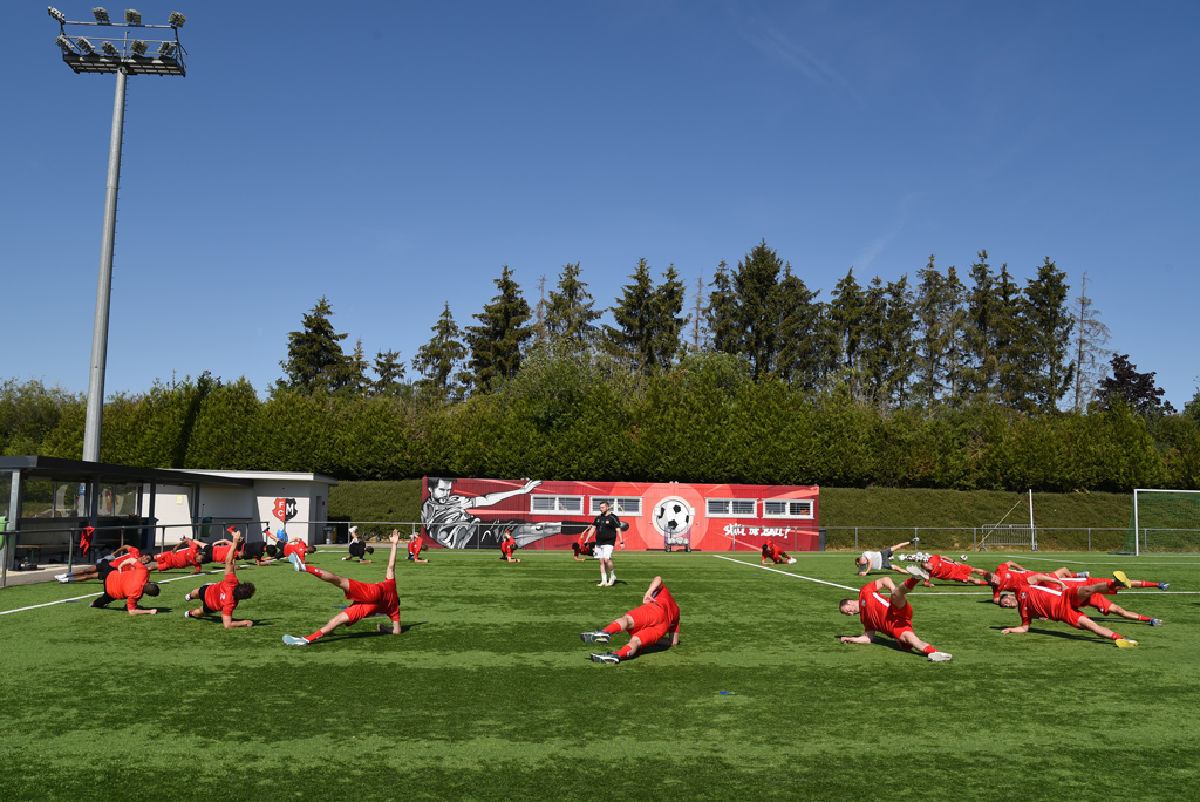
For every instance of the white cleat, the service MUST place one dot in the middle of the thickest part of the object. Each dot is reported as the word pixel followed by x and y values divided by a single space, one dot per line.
pixel 940 657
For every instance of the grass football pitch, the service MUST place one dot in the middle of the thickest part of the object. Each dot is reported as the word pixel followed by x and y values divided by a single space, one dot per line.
pixel 488 693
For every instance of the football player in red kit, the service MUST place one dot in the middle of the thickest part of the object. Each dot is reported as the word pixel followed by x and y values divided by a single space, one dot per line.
pixel 369 599
pixel 655 621
pixel 1049 597
pixel 223 596
pixel 940 567
pixel 415 544
pixel 776 555
pixel 883 607
pixel 507 544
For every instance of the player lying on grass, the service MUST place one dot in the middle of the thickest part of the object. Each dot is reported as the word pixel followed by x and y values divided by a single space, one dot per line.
pixel 1099 600
pixel 224 595
pixel 1010 577
pixel 129 581
pixel 890 614
pixel 881 560
pixel 368 599
pixel 655 621
pixel 507 544
pixel 185 554
pixel 940 567
pixel 776 555
pixel 296 547
pixel 122 557
pixel 358 550
pixel 1049 597
pixel 415 543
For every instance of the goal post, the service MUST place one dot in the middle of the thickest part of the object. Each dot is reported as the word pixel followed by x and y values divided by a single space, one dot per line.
pixel 1163 521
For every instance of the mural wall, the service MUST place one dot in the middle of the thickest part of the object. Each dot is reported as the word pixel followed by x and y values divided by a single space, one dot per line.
pixel 460 513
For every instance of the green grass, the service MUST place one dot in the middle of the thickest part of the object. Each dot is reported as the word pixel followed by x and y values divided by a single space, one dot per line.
pixel 488 693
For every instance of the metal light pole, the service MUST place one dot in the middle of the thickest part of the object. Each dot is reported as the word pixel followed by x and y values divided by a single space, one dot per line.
pixel 114 51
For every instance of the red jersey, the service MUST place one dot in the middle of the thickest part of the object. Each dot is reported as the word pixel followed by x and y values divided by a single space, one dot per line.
pixel 507 546
pixel 1042 601
pixel 220 553
pixel 180 558
pixel 662 598
pixel 878 615
pixel 127 584
pixel 218 596
pixel 414 546
pixel 941 568
pixel 771 551
pixel 127 560
pixel 297 547
pixel 368 598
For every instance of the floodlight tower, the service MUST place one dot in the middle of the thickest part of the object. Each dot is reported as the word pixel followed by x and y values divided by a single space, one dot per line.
pixel 118 50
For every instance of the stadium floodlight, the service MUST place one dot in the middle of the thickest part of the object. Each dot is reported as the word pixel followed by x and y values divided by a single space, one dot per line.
pixel 176 19
pixel 123 58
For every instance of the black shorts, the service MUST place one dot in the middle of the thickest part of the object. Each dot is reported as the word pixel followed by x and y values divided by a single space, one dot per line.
pixel 358 550
pixel 103 569
pixel 206 553
pixel 198 594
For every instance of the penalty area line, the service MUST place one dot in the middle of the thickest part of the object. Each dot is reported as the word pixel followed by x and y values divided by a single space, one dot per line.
pixel 785 573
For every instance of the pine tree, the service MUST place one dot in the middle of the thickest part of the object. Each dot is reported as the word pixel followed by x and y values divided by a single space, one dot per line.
pixel 754 285
pixel 389 372
pixel 979 367
pixel 495 344
pixel 669 321
pixel 356 371
pixel 847 317
pixel 1091 335
pixel 633 339
pixel 939 317
pixel 315 361
pixel 802 357
pixel 722 315
pixel 1047 323
pixel 1011 343
pixel 899 340
pixel 440 360
pixel 569 313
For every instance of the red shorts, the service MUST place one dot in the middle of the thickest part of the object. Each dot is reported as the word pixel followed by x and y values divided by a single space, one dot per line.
pixel 954 571
pixel 1100 602
pixel 650 623
pixel 370 598
pixel 899 621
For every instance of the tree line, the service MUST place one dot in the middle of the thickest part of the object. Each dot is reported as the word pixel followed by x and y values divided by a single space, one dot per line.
pixel 936 384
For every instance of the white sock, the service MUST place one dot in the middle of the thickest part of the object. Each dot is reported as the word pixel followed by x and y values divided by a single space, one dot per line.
pixel 612 577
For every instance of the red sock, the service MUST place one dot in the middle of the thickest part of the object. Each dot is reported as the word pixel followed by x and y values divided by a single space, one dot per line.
pixel 911 582
pixel 928 649
pixel 314 636
pixel 315 571
pixel 613 628
pixel 1117 636
pixel 1143 583
pixel 625 652
pixel 1143 617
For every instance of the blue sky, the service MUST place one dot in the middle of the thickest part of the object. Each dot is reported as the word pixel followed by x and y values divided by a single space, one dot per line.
pixel 395 155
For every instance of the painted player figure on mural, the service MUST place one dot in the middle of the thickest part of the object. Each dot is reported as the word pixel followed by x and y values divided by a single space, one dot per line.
pixel 882 606
pixel 446 518
pixel 369 598
pixel 656 621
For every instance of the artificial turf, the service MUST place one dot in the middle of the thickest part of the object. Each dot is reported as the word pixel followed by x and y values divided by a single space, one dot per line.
pixel 488 693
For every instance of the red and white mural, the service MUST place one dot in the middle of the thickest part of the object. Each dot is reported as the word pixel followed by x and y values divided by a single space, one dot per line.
pixel 463 513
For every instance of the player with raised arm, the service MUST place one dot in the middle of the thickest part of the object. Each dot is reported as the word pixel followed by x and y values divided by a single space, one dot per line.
pixel 881 560
pixel 890 614
pixel 223 596
pixel 369 599
pixel 655 621
pixel 123 557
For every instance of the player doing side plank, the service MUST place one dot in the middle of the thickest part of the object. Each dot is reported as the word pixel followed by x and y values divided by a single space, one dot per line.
pixel 223 595
pixel 368 599
pixel 883 607
pixel 656 621
pixel 1037 600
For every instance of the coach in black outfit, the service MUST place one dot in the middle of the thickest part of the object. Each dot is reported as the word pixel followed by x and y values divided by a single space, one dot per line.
pixel 607 528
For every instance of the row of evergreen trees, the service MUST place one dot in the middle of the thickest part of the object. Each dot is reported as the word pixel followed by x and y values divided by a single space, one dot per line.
pixel 573 413
pixel 890 345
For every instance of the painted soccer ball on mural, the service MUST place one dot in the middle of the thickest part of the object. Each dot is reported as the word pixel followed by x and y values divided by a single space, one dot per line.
pixel 674 511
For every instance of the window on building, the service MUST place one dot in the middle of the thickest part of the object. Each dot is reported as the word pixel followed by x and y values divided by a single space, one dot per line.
pixel 618 505
pixel 549 505
pixel 731 507
pixel 787 508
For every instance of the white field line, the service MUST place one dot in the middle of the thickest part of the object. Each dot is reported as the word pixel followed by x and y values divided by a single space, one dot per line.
pixel 93 595
pixel 1133 561
pixel 785 573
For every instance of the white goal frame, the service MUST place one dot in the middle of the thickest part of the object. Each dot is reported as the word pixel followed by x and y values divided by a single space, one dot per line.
pixel 1137 528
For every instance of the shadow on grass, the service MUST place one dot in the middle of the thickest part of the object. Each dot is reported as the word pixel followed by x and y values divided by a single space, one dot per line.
pixel 1058 633
pixel 333 637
